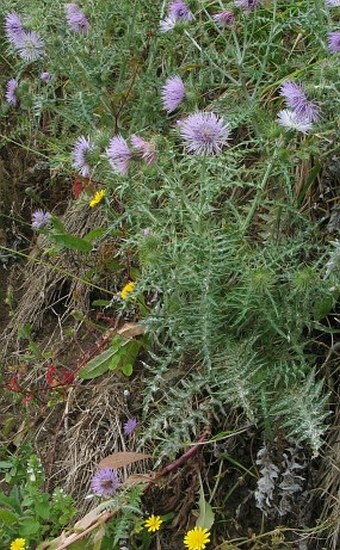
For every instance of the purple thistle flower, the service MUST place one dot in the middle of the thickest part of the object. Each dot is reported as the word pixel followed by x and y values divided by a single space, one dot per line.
pixel 130 426
pixel 105 482
pixel 76 19
pixel 290 120
pixel 333 3
pixel 173 93
pixel 30 46
pixel 145 149
pixel 248 5
pixel 334 42
pixel 179 11
pixel 40 219
pixel 13 28
pixel 80 150
pixel 119 154
pixel 204 133
pixel 167 24
pixel 296 98
pixel 46 77
pixel 10 95
pixel 224 18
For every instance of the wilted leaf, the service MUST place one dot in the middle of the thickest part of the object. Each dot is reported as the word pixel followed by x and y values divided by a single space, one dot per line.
pixel 98 538
pixel 206 515
pixel 138 479
pixel 130 330
pixel 119 460
pixel 91 517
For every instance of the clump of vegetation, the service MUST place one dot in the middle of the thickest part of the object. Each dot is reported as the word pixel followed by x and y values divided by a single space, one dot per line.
pixel 182 211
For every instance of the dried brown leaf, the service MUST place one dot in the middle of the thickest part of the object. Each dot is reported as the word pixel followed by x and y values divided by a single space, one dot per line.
pixel 119 460
pixel 138 479
pixel 130 330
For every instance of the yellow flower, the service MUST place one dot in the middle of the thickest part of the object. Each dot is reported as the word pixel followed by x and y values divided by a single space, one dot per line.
pixel 197 538
pixel 153 523
pixel 18 544
pixel 98 197
pixel 127 289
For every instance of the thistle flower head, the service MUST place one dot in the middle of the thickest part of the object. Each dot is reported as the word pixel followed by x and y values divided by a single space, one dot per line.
pixel 30 46
pixel 334 42
pixel 290 120
pixel 46 77
pixel 40 219
pixel 167 24
pixel 76 19
pixel 247 5
pixel 224 18
pixel 81 149
pixel 105 482
pixel 10 95
pixel 333 3
pixel 145 149
pixel 130 426
pixel 119 154
pixel 153 523
pixel 204 133
pixel 173 93
pixel 13 28
pixel 197 538
pixel 178 11
pixel 296 98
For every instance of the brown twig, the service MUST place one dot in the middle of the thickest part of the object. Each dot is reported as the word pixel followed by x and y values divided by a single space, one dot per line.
pixel 185 456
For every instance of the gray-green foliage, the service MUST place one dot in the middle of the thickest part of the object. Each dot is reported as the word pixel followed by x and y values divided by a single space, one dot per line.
pixel 234 270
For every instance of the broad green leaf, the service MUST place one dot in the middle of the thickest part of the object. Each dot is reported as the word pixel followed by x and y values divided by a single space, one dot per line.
pixel 5 465
pixel 42 509
pixel 58 225
pixel 8 517
pixel 12 501
pixel 101 303
pixel 71 241
pixel 206 515
pixel 122 352
pixel 127 369
pixel 29 526
pixel 95 234
pixel 98 365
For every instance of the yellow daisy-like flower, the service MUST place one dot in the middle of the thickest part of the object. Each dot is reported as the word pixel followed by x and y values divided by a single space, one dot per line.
pixel 197 538
pixel 18 544
pixel 97 198
pixel 153 523
pixel 127 289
